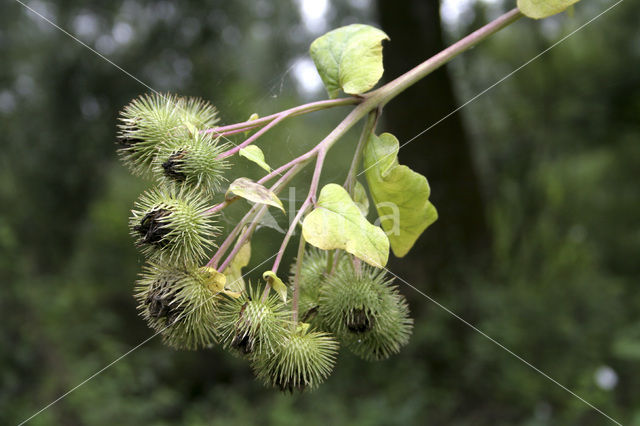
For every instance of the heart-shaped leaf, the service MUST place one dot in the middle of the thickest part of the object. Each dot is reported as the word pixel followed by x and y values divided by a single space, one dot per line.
pixel 337 223
pixel 255 154
pixel 349 58
pixel 539 9
pixel 252 191
pixel 401 195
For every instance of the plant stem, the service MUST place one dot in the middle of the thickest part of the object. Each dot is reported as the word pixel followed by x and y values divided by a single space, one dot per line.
pixel 315 180
pixel 400 84
pixel 244 237
pixel 253 215
pixel 221 206
pixel 231 237
pixel 365 104
pixel 306 156
pixel 369 126
pixel 310 199
pixel 329 261
pixel 253 137
pixel 233 132
pixel 384 94
pixel 288 167
pixel 336 262
pixel 291 112
pixel 296 280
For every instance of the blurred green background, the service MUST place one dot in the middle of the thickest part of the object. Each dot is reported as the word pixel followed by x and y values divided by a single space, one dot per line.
pixel 536 183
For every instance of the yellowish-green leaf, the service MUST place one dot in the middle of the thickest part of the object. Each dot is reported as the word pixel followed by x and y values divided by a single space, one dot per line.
pixel 214 280
pixel 255 154
pixel 539 9
pixel 349 58
pixel 252 191
pixel 361 199
pixel 401 195
pixel 337 223
pixel 276 284
pixel 235 281
pixel 252 117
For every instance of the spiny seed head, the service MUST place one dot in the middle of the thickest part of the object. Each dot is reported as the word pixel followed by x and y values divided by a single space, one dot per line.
pixel 151 119
pixel 178 303
pixel 388 335
pixel 313 274
pixel 351 301
pixel 253 327
pixel 198 112
pixel 145 123
pixel 191 160
pixel 366 311
pixel 302 361
pixel 172 225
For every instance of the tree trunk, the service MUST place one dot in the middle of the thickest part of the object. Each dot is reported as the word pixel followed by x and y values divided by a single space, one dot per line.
pixel 443 153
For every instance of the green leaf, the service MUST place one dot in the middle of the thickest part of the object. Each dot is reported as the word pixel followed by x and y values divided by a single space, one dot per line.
pixel 255 154
pixel 361 199
pixel 337 223
pixel 349 58
pixel 539 9
pixel 233 272
pixel 252 191
pixel 401 195
pixel 276 284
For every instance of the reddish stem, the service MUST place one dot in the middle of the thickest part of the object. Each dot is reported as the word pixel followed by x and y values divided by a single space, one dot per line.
pixel 292 112
pixel 251 214
pixel 311 196
pixel 233 132
pixel 296 281
pixel 254 137
pixel 245 236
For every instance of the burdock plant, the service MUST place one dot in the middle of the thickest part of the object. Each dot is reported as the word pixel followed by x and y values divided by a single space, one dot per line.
pixel 318 265
pixel 190 159
pixel 179 303
pixel 253 326
pixel 172 225
pixel 149 121
pixel 303 360
pixel 338 289
pixel 351 302
pixel 363 308
pixel 388 334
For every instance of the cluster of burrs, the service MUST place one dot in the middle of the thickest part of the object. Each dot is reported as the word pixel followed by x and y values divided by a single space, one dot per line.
pixel 193 306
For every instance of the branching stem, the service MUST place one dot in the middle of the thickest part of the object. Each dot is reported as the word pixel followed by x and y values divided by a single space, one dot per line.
pixel 291 112
pixel 254 137
pixel 252 216
pixel 308 202
pixel 370 103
